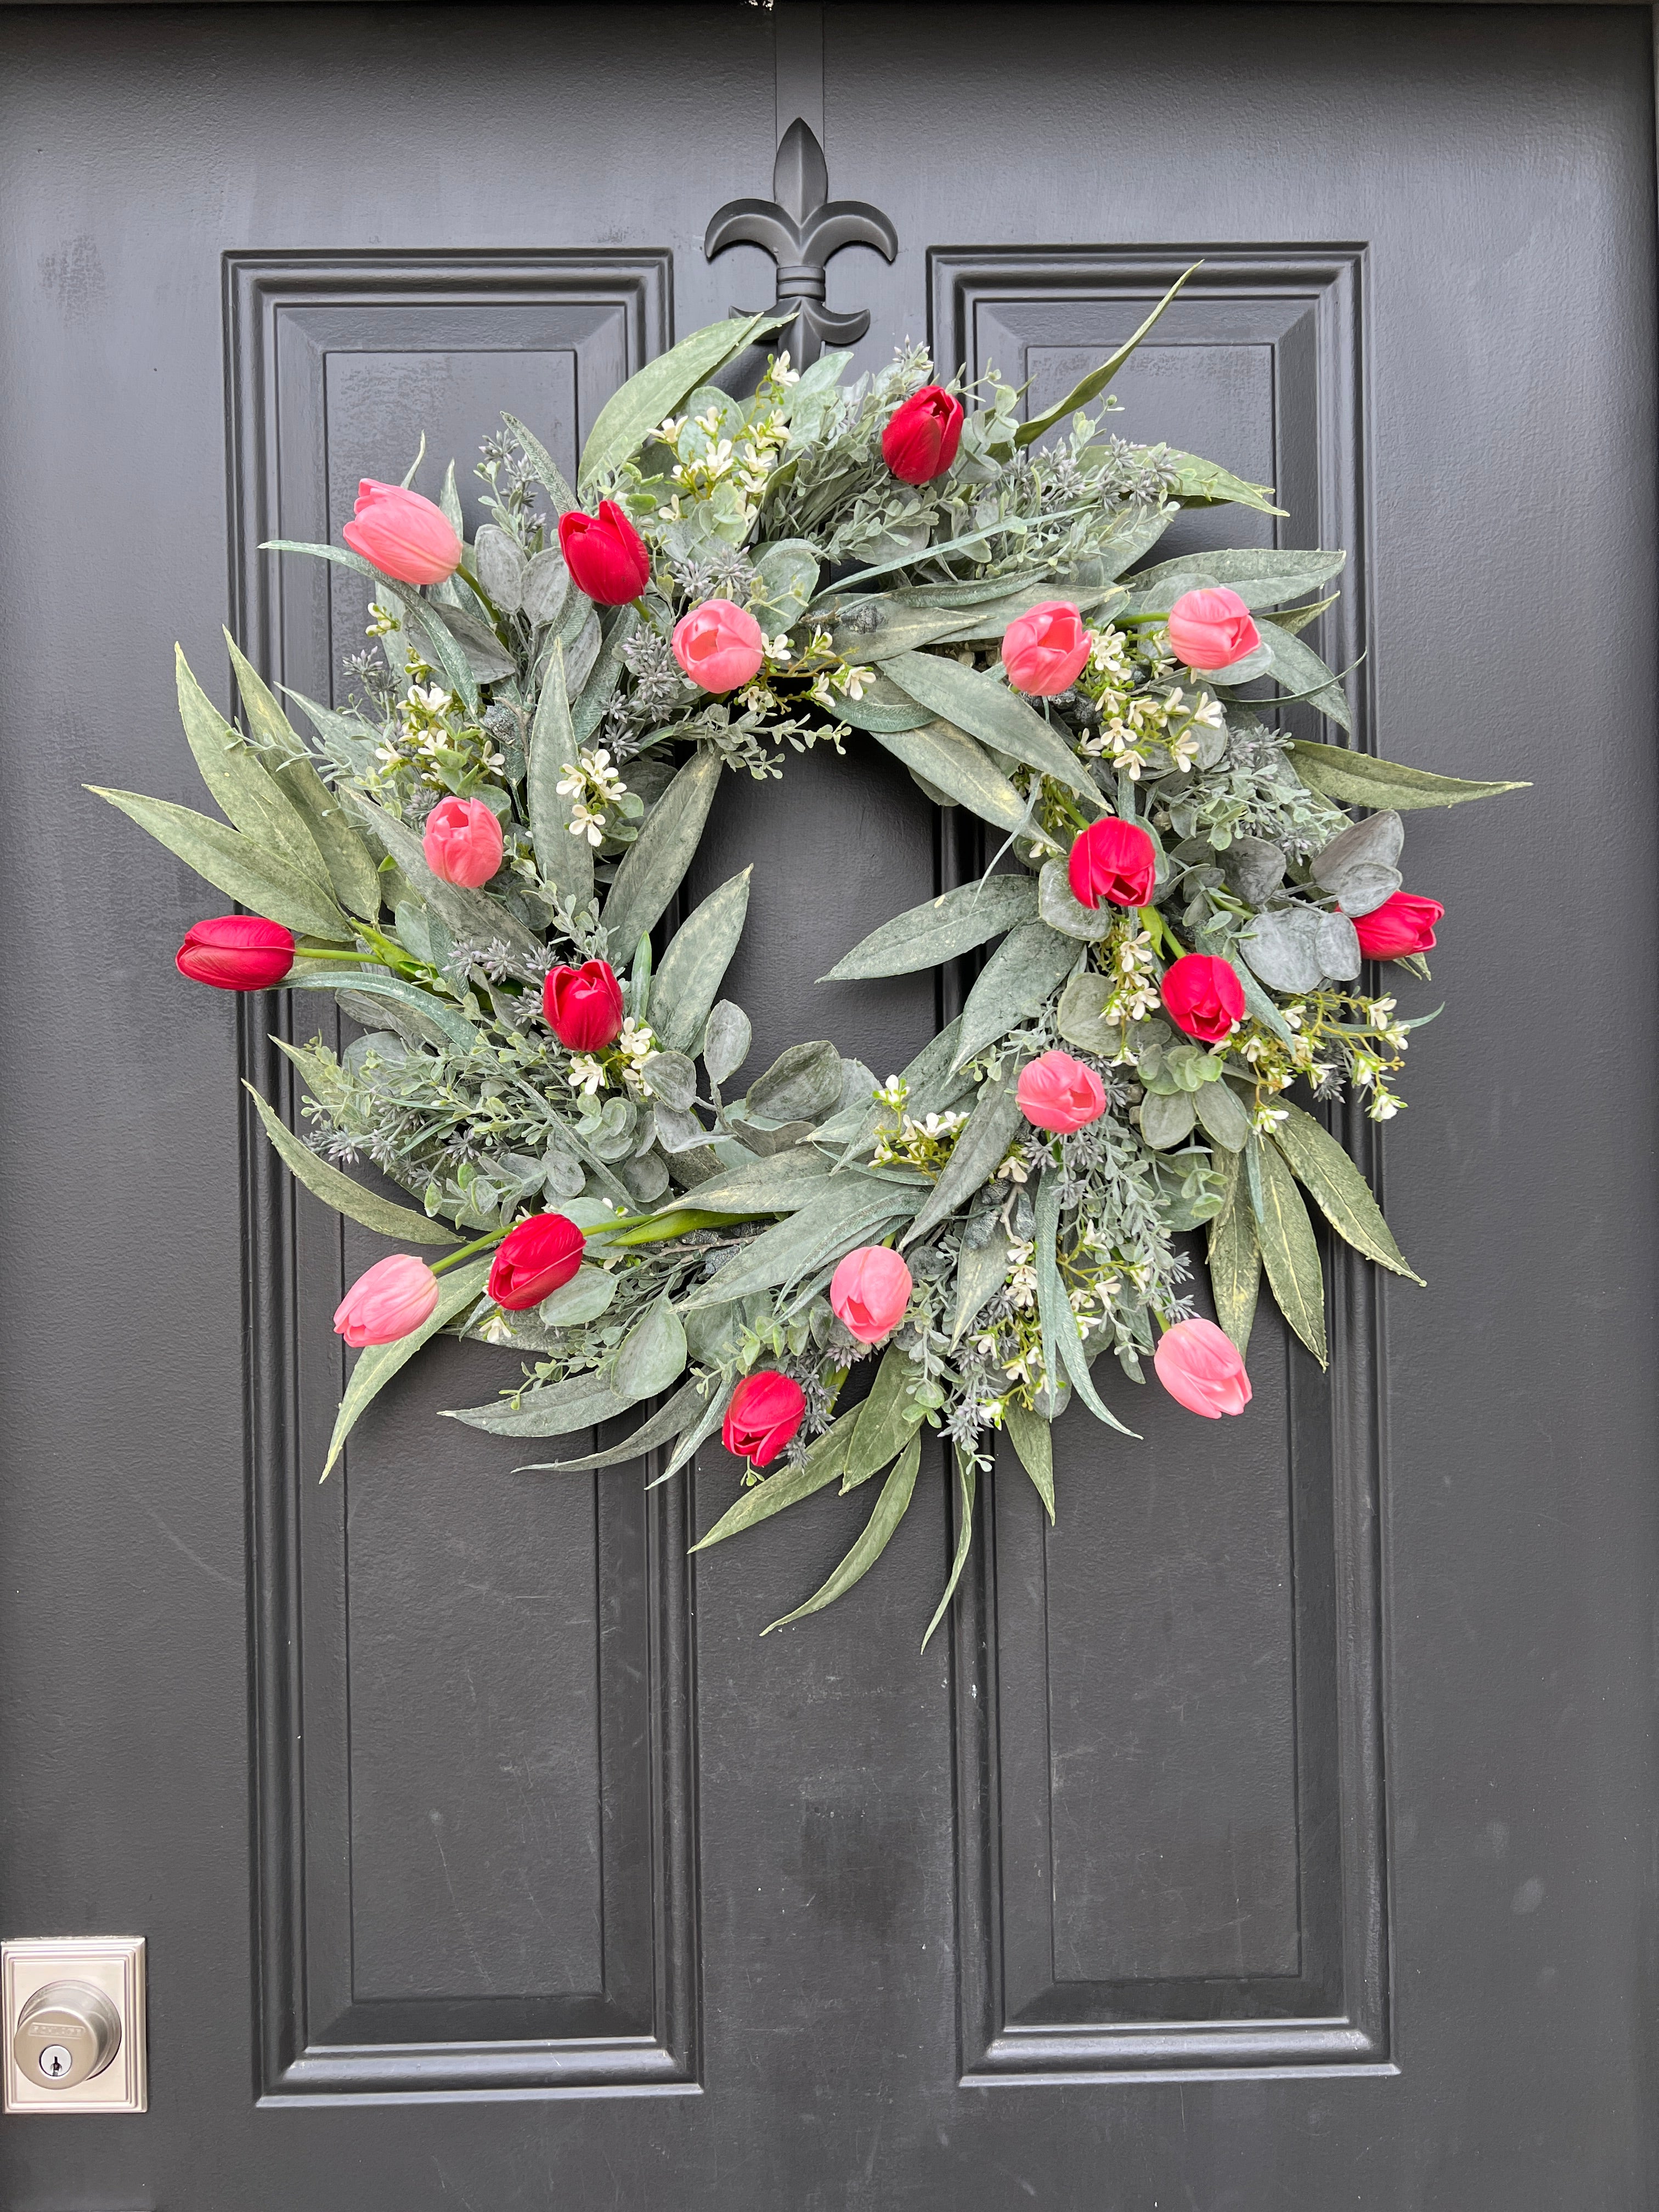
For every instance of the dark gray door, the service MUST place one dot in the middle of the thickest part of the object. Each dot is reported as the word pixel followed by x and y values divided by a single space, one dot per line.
pixel 1276 1835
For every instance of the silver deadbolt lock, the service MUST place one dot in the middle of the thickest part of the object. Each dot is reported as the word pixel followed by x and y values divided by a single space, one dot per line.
pixel 66 2033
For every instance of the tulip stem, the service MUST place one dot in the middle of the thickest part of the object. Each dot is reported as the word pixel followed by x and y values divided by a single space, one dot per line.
pixel 497 621
pixel 466 1251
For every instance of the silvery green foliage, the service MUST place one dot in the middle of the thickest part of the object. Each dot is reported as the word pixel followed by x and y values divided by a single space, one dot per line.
pixel 715 1223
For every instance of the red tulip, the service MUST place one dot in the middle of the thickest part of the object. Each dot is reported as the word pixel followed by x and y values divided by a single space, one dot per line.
pixel 403 534
pixel 761 1421
pixel 606 557
pixel 463 841
pixel 1211 629
pixel 236 952
pixel 1199 1367
pixel 719 645
pixel 1204 996
pixel 584 1006
pixel 922 437
pixel 1058 1092
pixel 1404 923
pixel 534 1259
pixel 870 1291
pixel 1115 860
pixel 1043 650
pixel 393 1299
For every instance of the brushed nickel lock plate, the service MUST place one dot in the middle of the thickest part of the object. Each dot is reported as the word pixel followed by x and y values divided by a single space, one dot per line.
pixel 74 2018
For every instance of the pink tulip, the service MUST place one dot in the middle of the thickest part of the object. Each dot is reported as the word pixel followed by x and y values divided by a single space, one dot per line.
pixel 719 645
pixel 1211 629
pixel 403 534
pixel 870 1291
pixel 1198 1367
pixel 463 841
pixel 1043 650
pixel 1058 1092
pixel 396 1296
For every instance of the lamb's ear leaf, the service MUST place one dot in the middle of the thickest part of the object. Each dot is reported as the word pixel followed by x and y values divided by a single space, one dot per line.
pixel 1361 780
pixel 1289 1251
pixel 966 1487
pixel 350 865
pixel 1033 1440
pixel 825 1461
pixel 652 868
pixel 694 964
pixel 890 1510
pixel 668 1422
pixel 1097 379
pixel 339 1191
pixel 957 922
pixel 235 865
pixel 241 783
pixel 566 862
pixel 378 1364
pixel 630 414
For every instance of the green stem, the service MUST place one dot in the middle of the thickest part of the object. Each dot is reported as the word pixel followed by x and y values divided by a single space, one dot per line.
pixel 454 1259
pixel 662 1229
pixel 497 620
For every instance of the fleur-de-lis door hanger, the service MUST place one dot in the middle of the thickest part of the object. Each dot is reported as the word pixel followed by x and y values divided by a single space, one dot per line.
pixel 801 228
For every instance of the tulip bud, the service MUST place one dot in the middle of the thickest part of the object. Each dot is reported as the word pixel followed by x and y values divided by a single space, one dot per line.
pixel 1211 629
pixel 922 437
pixel 1404 923
pixel 403 534
pixel 236 952
pixel 761 1421
pixel 534 1260
pixel 1203 996
pixel 1113 860
pixel 606 557
pixel 584 1006
pixel 1043 650
pixel 870 1291
pixel 719 645
pixel 1058 1092
pixel 391 1300
pixel 1199 1367
pixel 463 841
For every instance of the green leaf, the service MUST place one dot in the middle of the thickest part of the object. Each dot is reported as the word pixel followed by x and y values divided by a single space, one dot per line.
pixel 350 865
pixel 1062 1347
pixel 1263 576
pixel 240 783
pixel 1081 1015
pixel 1167 1118
pixel 542 467
pixel 378 1364
pixel 1063 910
pixel 886 1420
pixel 652 1354
pixel 1337 1189
pixel 590 1292
pixel 1299 670
pixel 1097 379
pixel 781 1184
pixel 997 716
pixel 951 761
pixel 825 1458
pixel 1206 484
pixel 339 1191
pixel 941 930
pixel 931 1084
pixel 447 1020
pixel 1354 779
pixel 655 391
pixel 981 1272
pixel 1289 1251
pixel 1223 1115
pixel 469 915
pixel 237 866
pixel 669 1421
pixel 977 1155
pixel 693 966
pixel 566 862
pixel 1033 1439
pixel 853 1209
pixel 587 711
pixel 694 1438
pixel 882 716
pixel 967 1486
pixel 1031 962
pixel 556 1409
pixel 447 650
pixel 652 869
pixel 869 632
pixel 1235 1259
pixel 803 1083
pixel 895 1494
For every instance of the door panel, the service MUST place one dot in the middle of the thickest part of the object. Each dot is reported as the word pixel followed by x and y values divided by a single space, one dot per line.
pixel 1272 1835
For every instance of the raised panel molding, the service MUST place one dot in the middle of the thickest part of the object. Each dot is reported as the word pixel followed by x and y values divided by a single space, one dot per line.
pixel 1169 1727
pixel 334 363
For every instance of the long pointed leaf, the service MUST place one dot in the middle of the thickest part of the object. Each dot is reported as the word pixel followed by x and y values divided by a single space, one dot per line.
pixel 1359 780
pixel 556 1409
pixel 975 1157
pixel 995 715
pixel 566 862
pixel 941 930
pixel 826 1457
pixel 542 466
pixel 688 978
pixel 1062 1347
pixel 1288 1249
pixel 1097 379
pixel 1235 1260
pixel 447 650
pixel 668 1422
pixel 656 391
pixel 966 1487
pixel 472 915
pixel 890 1510
pixel 338 1190
pixel 956 764
pixel 1033 1440
pixel 1031 962
pixel 241 784
pixel 1337 1188
pixel 351 868
pixel 380 1361
pixel 652 869
pixel 235 865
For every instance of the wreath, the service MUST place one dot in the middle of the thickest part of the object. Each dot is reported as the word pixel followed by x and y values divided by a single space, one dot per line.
pixel 476 856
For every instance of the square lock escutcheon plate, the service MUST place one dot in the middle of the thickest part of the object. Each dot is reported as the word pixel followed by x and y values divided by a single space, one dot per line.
pixel 65 2001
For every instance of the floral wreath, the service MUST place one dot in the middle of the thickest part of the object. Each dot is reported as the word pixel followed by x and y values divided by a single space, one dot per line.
pixel 474 857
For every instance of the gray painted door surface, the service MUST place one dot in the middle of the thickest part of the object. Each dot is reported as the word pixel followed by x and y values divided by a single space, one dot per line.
pixel 1273 1837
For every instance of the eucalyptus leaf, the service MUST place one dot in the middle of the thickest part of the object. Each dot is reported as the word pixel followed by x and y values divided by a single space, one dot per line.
pixel 339 1191
pixel 379 1363
pixel 1355 779
pixel 1167 1118
pixel 694 964
pixel 803 1082
pixel 943 929
pixel 1253 868
pixel 1339 948
pixel 589 1293
pixel 1031 962
pixel 1061 909
pixel 486 656
pixel 787 577
pixel 890 1510
pixel 672 1078
pixel 652 1354
pixel 725 1040
pixel 1081 1017
pixel 652 868
pixel 1358 867
pixel 1222 1115
pixel 1282 945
